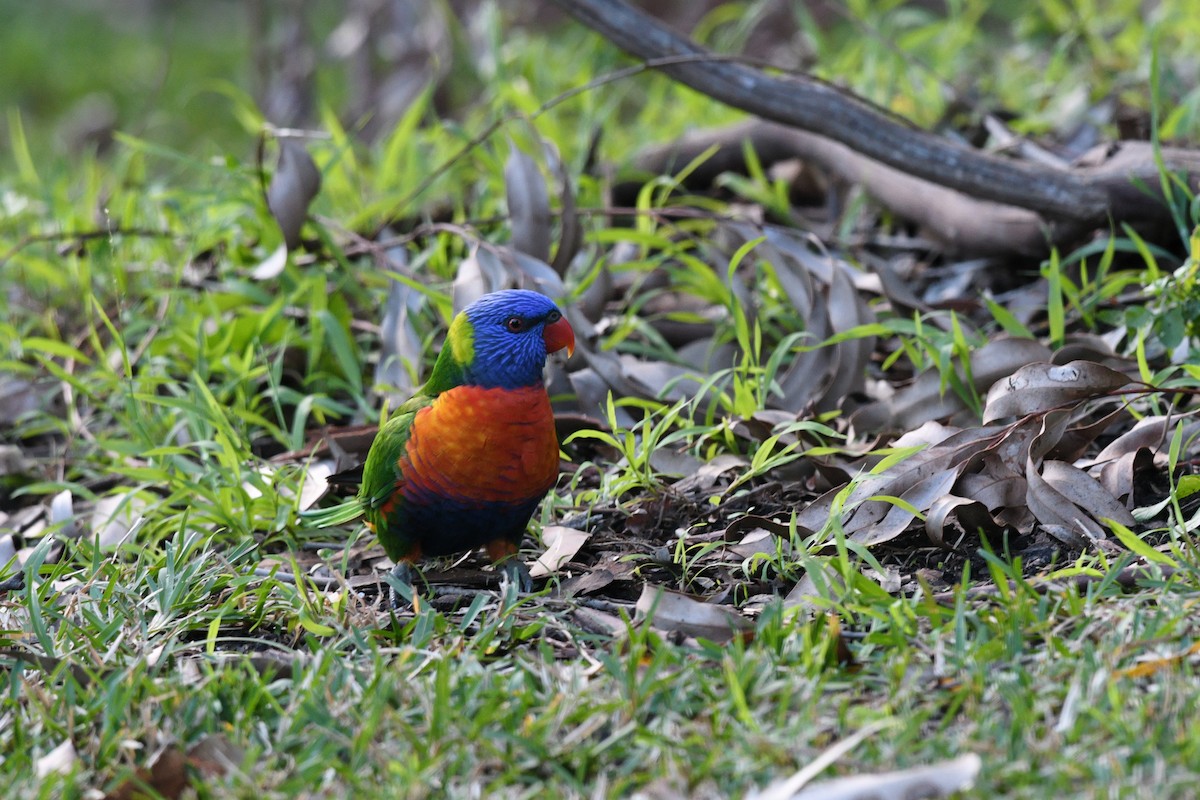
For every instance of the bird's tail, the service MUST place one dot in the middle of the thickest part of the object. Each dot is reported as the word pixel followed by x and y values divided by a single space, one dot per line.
pixel 346 511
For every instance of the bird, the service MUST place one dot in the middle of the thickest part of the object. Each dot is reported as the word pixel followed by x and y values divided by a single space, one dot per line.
pixel 465 461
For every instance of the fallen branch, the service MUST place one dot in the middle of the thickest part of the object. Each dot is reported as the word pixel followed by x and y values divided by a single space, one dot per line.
pixel 845 121
pixel 965 225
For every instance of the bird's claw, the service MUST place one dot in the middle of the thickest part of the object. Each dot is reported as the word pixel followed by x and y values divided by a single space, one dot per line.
pixel 401 573
pixel 516 572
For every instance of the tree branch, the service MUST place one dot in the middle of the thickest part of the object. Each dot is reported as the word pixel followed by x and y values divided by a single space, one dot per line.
pixel 964 225
pixel 821 109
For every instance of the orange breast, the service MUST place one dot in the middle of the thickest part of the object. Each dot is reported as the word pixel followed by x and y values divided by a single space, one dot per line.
pixel 483 445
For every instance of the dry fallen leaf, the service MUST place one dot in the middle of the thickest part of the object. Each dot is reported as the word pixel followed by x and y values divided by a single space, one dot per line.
pixel 562 544
pixel 1152 666
pixel 681 613
pixel 316 483
pixel 528 204
pixel 478 274
pixel 60 760
pixel 786 789
pixel 918 498
pixel 971 516
pixel 927 399
pixel 19 397
pixel 942 779
pixel 166 777
pixel 401 347
pixel 117 517
pixel 294 185
pixel 570 236
pixel 272 266
pixel 1037 388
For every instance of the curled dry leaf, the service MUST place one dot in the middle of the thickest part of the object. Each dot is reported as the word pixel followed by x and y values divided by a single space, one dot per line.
pixel 673 462
pixel 1150 433
pixel 533 273
pixel 60 760
pixel 1079 436
pixel 710 472
pixel 19 397
pixel 570 235
pixel 932 781
pixel 822 290
pixel 599 622
pixel 918 498
pixel 969 515
pixel 680 613
pixel 929 433
pixel 490 268
pixel 594 297
pixel 622 376
pixel 1057 514
pixel 1085 492
pixel 761 535
pixel 926 398
pixel 847 310
pixel 1118 476
pixel 980 479
pixel 1037 388
pixel 757 541
pixel 117 518
pixel 528 204
pixel 272 266
pixel 62 511
pixel 820 583
pixel 293 186
pixel 316 483
pixel 478 274
pixel 562 544
pixel 962 447
pixel 166 776
pixel 1089 347
pixel 401 346
pixel 898 290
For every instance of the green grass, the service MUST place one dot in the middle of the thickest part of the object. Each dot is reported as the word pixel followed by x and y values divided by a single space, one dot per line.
pixel 163 372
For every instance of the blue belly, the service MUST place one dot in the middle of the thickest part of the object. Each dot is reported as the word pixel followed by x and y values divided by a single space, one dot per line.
pixel 442 527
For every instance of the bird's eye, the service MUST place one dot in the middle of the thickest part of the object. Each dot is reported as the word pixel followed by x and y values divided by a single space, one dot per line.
pixel 515 324
pixel 553 317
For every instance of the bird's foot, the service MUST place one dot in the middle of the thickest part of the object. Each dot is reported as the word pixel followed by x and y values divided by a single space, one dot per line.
pixel 505 554
pixel 516 572
pixel 401 577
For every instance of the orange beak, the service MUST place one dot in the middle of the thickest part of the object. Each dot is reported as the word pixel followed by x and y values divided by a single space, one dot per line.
pixel 559 335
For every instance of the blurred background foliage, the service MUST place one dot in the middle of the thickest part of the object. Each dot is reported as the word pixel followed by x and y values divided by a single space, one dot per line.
pixel 185 73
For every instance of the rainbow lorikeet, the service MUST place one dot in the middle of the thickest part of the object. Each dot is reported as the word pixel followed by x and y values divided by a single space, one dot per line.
pixel 465 461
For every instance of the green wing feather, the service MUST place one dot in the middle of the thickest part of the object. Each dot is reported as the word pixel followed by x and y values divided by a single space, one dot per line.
pixel 343 512
pixel 380 474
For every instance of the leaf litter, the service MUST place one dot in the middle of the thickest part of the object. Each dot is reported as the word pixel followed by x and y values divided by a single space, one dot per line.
pixel 1008 448
pixel 1020 469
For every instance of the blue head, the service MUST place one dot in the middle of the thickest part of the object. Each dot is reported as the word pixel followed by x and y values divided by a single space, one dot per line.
pixel 501 341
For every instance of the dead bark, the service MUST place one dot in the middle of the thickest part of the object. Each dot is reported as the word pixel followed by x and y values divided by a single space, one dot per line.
pixel 965 225
pixel 973 200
